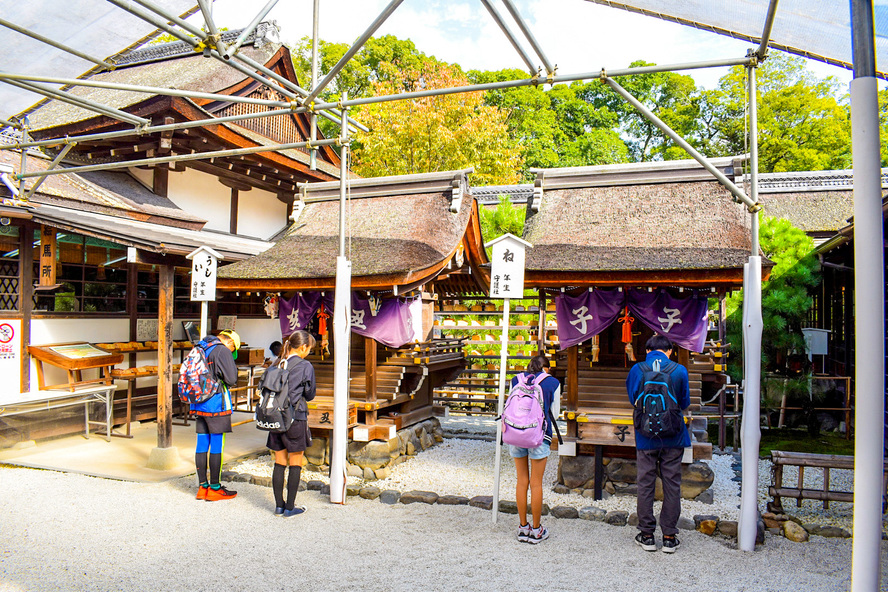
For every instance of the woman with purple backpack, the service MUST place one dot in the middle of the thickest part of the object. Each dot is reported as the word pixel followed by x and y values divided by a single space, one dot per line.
pixel 530 473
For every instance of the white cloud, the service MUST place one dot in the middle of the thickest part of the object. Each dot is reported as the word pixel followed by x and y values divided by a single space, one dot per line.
pixel 577 35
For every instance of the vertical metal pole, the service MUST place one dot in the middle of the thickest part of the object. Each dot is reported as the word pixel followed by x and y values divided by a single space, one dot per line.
pixel 869 302
pixel 22 169
pixel 497 463
pixel 313 153
pixel 747 527
pixel 341 333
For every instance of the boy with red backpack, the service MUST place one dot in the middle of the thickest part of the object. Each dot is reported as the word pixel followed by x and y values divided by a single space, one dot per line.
pixel 213 409
pixel 527 429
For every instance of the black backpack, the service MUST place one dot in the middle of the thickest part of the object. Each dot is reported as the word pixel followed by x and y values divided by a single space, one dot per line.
pixel 274 413
pixel 657 414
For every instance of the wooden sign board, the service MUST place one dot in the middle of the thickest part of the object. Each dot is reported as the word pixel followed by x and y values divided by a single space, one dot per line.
pixel 48 248
pixel 320 414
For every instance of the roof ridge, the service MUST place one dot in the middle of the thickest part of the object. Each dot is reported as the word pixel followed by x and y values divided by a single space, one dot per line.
pixel 266 31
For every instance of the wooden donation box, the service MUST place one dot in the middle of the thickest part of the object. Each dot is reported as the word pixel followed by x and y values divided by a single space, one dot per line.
pixel 74 358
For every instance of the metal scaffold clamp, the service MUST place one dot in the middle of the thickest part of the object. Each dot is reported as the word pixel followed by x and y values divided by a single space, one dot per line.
pixel 755 208
pixel 603 75
pixel 536 77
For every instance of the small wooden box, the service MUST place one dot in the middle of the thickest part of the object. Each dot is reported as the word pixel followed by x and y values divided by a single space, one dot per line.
pixel 251 356
pixel 320 413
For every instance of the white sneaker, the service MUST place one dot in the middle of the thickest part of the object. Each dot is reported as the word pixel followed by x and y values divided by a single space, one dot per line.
pixel 538 535
pixel 524 532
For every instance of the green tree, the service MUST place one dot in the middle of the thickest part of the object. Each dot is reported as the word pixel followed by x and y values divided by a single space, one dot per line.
pixel 802 126
pixel 557 127
pixel 435 133
pixel 505 217
pixel 786 296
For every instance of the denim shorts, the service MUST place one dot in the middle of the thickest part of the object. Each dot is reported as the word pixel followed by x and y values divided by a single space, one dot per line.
pixel 541 451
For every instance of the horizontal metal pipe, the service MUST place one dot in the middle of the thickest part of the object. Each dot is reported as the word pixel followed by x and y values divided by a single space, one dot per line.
pixel 232 49
pixel 172 92
pixel 12 124
pixel 153 19
pixel 176 158
pixel 78 102
pixel 531 81
pixel 55 44
pixel 729 185
pixel 508 33
pixel 353 50
pixel 145 130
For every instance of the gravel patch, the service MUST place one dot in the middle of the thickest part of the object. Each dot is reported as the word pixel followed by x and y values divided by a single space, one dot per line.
pixel 71 532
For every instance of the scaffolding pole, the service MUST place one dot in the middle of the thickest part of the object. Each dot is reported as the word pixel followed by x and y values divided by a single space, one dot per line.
pixel 52 165
pixel 505 29
pixel 313 153
pixel 155 90
pixel 735 191
pixel 341 334
pixel 234 47
pixel 869 305
pixel 762 51
pixel 86 104
pixel 352 51
pixel 550 70
pixel 176 158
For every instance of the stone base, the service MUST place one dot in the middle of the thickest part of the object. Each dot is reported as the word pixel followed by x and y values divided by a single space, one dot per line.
pixel 163 459
pixel 375 459
pixel 620 476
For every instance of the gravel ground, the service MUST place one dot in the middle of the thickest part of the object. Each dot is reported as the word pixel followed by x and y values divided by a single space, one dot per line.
pixel 70 532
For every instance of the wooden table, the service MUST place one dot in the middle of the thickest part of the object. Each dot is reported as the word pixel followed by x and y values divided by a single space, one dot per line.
pixel 74 358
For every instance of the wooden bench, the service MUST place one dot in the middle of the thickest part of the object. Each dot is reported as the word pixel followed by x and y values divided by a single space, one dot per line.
pixel 804 460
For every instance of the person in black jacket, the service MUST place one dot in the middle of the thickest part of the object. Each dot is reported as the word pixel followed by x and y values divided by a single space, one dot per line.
pixel 213 419
pixel 288 447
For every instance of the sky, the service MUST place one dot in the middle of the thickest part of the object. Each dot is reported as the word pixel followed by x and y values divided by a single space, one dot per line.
pixel 576 35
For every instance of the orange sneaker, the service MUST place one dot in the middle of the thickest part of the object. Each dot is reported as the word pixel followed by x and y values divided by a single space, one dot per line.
pixel 215 495
pixel 202 492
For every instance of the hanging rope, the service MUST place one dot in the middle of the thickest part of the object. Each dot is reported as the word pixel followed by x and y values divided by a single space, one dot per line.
pixel 627 321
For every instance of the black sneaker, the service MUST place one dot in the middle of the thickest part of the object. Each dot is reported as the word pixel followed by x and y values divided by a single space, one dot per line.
pixel 647 542
pixel 671 544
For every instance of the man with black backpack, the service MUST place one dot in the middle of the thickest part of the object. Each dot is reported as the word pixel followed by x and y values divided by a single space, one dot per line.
pixel 658 389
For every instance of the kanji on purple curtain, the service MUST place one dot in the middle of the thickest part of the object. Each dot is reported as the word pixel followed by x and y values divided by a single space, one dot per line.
pixel 387 321
pixel 297 312
pixel 587 314
pixel 683 320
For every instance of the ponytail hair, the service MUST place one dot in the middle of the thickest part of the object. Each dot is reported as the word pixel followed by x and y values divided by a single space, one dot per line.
pixel 295 340
pixel 537 363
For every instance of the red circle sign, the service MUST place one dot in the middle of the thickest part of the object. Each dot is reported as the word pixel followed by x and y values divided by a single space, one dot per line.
pixel 6 333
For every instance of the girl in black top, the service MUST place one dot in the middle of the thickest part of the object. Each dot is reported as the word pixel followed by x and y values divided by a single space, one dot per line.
pixel 288 447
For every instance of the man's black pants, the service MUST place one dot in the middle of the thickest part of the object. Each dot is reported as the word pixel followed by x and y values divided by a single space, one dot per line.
pixel 667 463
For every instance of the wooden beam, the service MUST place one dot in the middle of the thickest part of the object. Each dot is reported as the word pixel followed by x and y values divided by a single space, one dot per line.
pixel 166 278
pixel 166 138
pixel 573 376
pixel 232 216
pixel 370 377
pixel 700 278
pixel 26 298
pixel 161 181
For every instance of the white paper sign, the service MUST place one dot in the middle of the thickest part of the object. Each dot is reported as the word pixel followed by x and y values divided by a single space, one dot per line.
pixel 507 268
pixel 10 359
pixel 203 277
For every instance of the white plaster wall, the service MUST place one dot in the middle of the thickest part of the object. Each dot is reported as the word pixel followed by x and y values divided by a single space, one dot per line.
pixel 146 176
pixel 260 213
pixel 259 332
pixel 202 195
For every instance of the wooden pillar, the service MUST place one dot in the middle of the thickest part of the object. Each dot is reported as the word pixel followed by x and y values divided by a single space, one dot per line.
pixel 722 317
pixel 26 298
pixel 161 181
pixel 370 377
pixel 541 332
pixel 165 357
pixel 683 355
pixel 233 216
pixel 573 391
pixel 132 311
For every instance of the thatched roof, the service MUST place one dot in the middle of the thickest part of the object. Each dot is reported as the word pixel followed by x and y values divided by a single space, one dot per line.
pixel 397 235
pixel 636 218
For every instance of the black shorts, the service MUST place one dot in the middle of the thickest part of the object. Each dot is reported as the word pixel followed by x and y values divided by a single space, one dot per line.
pixel 220 424
pixel 296 439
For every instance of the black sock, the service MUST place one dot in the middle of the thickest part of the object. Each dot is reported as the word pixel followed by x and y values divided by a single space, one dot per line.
pixel 200 461
pixel 215 468
pixel 293 486
pixel 277 485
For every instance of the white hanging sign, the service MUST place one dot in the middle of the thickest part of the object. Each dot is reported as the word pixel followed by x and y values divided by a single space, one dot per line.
pixel 203 274
pixel 507 266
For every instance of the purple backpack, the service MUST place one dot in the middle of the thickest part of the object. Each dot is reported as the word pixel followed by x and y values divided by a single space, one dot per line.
pixel 524 418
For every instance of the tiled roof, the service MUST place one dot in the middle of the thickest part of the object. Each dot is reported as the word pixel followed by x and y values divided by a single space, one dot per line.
pixel 490 194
